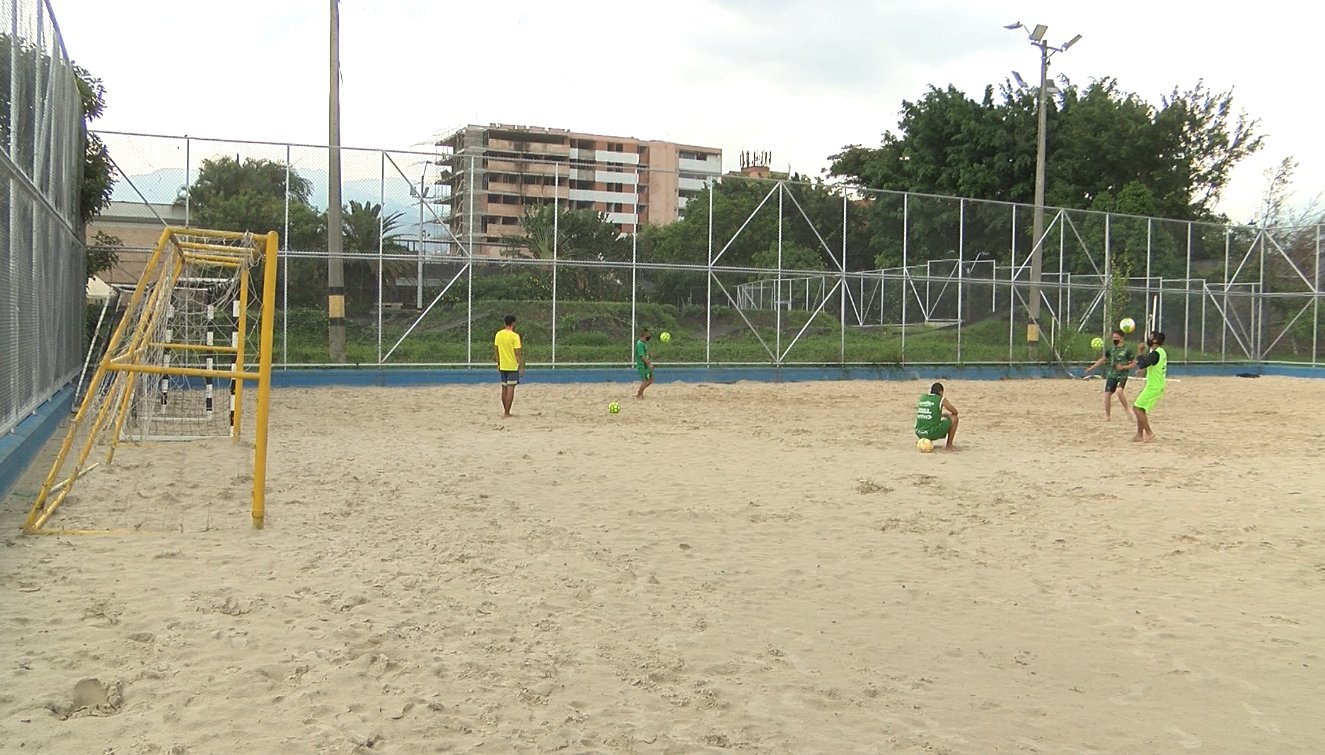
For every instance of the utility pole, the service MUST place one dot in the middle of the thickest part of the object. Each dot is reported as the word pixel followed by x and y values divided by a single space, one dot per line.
pixel 1036 37
pixel 335 233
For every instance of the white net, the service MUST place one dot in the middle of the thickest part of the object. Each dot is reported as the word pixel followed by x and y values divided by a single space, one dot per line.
pixel 175 369
pixel 192 316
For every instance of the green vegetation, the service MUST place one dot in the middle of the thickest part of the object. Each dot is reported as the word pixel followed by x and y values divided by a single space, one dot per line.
pixel 600 333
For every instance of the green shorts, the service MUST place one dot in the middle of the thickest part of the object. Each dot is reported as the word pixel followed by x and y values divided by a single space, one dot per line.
pixel 1147 399
pixel 645 373
pixel 937 432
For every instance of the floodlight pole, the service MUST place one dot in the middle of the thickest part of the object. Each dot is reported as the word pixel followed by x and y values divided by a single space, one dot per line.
pixel 335 231
pixel 1037 226
pixel 1036 37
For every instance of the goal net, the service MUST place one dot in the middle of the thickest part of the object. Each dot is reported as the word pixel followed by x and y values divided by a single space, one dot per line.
pixel 196 330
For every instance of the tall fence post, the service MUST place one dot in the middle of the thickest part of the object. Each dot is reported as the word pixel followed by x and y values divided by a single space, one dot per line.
pixel 842 289
pixel 285 267
pixel 961 271
pixel 556 232
pixel 1315 302
pixel 708 310
pixel 777 296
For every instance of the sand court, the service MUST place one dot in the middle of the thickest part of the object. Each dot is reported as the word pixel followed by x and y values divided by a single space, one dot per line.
pixel 748 566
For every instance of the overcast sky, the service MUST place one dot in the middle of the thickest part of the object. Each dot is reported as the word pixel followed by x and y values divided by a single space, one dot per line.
pixel 799 79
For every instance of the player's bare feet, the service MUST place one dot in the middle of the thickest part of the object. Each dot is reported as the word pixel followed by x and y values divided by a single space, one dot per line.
pixel 950 447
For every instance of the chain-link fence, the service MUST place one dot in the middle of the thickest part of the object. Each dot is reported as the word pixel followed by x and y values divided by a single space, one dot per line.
pixel 41 252
pixel 439 246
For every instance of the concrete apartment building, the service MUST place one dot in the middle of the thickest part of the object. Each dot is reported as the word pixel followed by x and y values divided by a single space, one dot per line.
pixel 497 172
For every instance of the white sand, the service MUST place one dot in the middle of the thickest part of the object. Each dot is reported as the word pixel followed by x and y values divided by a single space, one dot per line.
pixel 768 568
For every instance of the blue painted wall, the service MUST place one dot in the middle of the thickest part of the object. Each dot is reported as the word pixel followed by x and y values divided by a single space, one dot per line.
pixel 20 447
pixel 372 376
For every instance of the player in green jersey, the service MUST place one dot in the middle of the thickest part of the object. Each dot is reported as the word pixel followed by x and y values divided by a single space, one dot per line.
pixel 643 364
pixel 936 417
pixel 1119 360
pixel 1155 365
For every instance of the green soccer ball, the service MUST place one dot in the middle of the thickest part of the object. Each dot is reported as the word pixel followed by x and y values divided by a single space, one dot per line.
pixel 1097 343
pixel 664 336
pixel 613 408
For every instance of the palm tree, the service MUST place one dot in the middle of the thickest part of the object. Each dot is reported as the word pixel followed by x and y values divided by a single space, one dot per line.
pixel 364 228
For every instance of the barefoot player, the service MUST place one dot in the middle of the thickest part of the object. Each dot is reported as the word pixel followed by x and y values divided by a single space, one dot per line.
pixel 1155 365
pixel 1119 360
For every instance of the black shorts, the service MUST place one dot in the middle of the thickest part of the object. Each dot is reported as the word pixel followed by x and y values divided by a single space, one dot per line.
pixel 510 377
pixel 1113 384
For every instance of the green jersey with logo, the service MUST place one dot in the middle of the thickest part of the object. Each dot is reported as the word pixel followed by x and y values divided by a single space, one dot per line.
pixel 1117 357
pixel 929 414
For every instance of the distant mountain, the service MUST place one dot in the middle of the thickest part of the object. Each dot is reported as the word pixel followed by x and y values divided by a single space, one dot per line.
pixel 165 185
pixel 161 186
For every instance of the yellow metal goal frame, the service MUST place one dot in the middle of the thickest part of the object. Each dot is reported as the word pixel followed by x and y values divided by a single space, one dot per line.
pixel 175 246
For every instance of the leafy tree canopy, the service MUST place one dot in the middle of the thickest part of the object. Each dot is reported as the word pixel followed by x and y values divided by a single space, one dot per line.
pixel 1099 140
pixel 230 195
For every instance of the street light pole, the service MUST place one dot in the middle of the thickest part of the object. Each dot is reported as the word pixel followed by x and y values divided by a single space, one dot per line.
pixel 335 263
pixel 1047 51
pixel 1037 227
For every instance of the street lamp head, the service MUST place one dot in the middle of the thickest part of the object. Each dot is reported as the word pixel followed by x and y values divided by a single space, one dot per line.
pixel 1013 26
pixel 1020 81
pixel 1038 34
pixel 1072 41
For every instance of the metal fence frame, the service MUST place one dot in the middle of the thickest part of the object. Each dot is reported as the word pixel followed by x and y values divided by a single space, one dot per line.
pixel 42 257
pixel 1244 288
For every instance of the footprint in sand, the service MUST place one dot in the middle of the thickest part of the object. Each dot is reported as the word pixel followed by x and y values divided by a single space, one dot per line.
pixel 92 697
pixel 1188 741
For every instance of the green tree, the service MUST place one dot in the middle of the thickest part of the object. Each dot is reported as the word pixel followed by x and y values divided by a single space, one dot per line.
pixel 98 174
pixel 578 235
pixel 794 257
pixel 364 228
pixel 1099 139
pixel 103 252
pixel 229 195
pixel 251 196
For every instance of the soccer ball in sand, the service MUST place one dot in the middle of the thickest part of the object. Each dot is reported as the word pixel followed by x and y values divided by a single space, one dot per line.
pixel 1097 343
pixel 1127 325
pixel 664 336
pixel 613 408
pixel 925 445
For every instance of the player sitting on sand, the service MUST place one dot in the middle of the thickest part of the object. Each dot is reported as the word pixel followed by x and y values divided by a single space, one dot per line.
pixel 1119 359
pixel 936 417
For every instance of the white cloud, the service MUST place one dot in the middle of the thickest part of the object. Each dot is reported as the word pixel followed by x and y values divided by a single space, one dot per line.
pixel 799 79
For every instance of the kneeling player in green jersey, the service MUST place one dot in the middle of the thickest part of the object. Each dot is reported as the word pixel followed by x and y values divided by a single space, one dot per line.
pixel 936 417
pixel 1155 365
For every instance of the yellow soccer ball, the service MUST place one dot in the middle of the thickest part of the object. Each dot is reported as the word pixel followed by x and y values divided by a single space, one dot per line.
pixel 664 336
pixel 1097 343
pixel 1127 325
pixel 613 408
pixel 925 445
